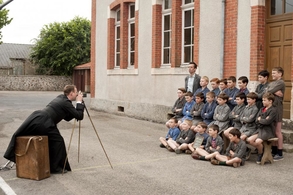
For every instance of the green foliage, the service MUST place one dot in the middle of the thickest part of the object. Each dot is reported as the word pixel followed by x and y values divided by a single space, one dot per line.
pixel 62 46
pixel 4 20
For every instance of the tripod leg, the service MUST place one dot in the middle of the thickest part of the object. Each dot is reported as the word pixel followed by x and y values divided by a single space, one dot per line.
pixel 98 136
pixel 69 146
pixel 8 165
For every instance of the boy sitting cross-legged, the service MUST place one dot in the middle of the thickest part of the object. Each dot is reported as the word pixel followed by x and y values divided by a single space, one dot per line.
pixel 201 131
pixel 235 153
pixel 214 144
pixel 266 125
pixel 172 133
pixel 186 136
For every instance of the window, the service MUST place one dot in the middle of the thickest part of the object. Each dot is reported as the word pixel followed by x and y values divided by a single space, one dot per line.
pixel 131 37
pixel 188 31
pixel 166 38
pixel 279 7
pixel 117 39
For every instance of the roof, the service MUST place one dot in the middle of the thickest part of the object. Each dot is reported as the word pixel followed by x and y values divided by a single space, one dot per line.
pixel 83 66
pixel 15 51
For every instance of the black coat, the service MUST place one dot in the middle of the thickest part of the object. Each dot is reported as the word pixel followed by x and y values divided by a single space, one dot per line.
pixel 44 122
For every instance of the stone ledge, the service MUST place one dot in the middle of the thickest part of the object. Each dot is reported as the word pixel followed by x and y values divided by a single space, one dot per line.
pixel 287 136
pixel 288 148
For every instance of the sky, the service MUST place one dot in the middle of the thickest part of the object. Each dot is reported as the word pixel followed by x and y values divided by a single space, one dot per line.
pixel 29 16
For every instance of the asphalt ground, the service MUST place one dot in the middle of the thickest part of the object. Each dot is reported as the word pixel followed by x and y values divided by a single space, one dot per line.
pixel 140 166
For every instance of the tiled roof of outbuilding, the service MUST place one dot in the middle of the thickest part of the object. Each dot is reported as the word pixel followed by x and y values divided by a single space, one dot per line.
pixel 12 50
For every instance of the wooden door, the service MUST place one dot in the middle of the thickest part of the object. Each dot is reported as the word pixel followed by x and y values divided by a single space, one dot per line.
pixel 279 47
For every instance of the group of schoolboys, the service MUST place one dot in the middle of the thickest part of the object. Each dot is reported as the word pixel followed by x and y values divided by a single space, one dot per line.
pixel 227 114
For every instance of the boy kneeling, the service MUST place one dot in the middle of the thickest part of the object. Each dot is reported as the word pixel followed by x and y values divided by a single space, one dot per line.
pixel 235 153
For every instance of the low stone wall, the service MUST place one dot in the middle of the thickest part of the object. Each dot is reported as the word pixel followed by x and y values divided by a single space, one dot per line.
pixel 34 83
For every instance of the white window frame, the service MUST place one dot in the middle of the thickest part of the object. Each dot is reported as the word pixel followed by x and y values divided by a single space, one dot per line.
pixel 166 12
pixel 130 22
pixel 117 24
pixel 186 7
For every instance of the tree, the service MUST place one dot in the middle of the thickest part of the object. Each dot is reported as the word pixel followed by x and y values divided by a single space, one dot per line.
pixel 4 20
pixel 62 46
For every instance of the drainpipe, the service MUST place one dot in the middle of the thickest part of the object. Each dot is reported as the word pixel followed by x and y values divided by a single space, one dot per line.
pixel 222 39
pixel 4 4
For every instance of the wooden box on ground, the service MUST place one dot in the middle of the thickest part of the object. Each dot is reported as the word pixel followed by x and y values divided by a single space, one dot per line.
pixel 32 157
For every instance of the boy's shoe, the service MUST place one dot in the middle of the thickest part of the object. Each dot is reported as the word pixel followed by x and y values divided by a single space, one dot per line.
pixel 248 153
pixel 195 156
pixel 162 146
pixel 259 157
pixel 277 157
pixel 235 165
pixel 214 162
pixel 169 148
pixel 178 151
pixel 188 152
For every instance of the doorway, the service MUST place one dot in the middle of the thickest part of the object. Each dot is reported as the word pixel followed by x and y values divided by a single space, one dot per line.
pixel 279 43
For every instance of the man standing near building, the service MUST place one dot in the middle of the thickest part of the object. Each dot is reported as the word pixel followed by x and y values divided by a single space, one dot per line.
pixel 192 80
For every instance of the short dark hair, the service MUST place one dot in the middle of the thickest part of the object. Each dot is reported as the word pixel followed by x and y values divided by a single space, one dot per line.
pixel 232 78
pixel 68 88
pixel 202 124
pixel 223 81
pixel 211 93
pixel 188 94
pixel 264 73
pixel 194 64
pixel 182 89
pixel 223 96
pixel 252 95
pixel 214 127
pixel 269 96
pixel 234 132
pixel 200 95
pixel 244 79
pixel 174 119
pixel 279 70
pixel 241 95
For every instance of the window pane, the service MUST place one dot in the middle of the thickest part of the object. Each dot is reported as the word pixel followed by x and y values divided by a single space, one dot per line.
pixel 167 39
pixel 132 29
pixel 132 11
pixel 118 15
pixel 166 56
pixel 188 1
pixel 192 35
pixel 118 46
pixel 289 6
pixel 187 17
pixel 167 4
pixel 118 32
pixel 167 22
pixel 187 36
pixel 132 58
pixel 117 59
pixel 276 7
pixel 132 43
pixel 187 54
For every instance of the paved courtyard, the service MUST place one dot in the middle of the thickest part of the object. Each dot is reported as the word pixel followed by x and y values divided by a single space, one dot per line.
pixel 140 166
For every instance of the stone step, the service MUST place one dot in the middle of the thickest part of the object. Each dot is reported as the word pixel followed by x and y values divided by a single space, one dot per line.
pixel 287 136
pixel 288 148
